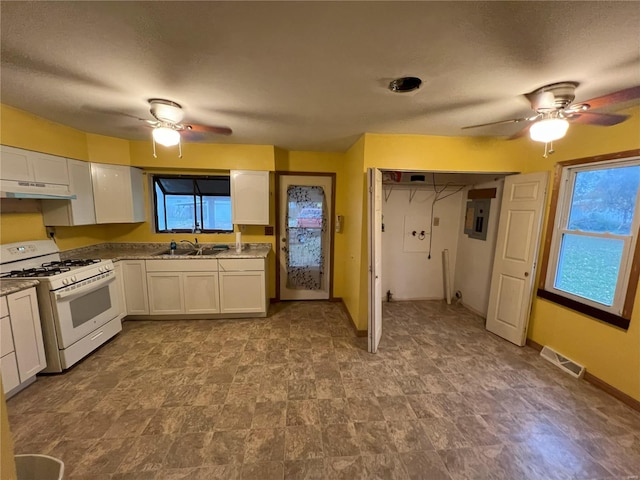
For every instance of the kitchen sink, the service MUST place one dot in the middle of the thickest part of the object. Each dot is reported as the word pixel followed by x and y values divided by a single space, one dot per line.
pixel 176 253
pixel 211 251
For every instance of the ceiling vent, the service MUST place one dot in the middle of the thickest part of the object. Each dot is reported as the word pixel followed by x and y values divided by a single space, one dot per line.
pixel 405 84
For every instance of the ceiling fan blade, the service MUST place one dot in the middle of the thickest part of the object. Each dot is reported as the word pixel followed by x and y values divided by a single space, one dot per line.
pixel 501 122
pixel 209 129
pixel 601 119
pixel 620 96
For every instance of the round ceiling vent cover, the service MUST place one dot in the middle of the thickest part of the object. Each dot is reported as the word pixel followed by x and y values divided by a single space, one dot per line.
pixel 405 84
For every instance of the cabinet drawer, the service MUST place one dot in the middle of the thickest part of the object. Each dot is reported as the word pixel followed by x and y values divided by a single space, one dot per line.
pixel 9 367
pixel 195 265
pixel 6 337
pixel 241 264
pixel 4 309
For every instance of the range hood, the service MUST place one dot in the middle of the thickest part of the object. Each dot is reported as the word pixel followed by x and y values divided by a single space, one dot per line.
pixel 36 190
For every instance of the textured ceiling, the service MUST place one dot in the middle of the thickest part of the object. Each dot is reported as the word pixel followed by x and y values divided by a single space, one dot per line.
pixel 309 75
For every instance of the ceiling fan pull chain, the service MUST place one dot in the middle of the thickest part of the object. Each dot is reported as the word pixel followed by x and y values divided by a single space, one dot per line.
pixel 154 148
pixel 180 148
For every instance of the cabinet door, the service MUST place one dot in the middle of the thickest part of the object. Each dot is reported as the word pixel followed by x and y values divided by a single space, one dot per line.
pixel 201 292
pixel 249 197
pixel 80 211
pixel 82 208
pixel 117 193
pixel 6 337
pixel 117 268
pixel 9 367
pixel 137 195
pixel 134 277
pixel 242 292
pixel 165 293
pixel 15 164
pixel 27 333
pixel 49 169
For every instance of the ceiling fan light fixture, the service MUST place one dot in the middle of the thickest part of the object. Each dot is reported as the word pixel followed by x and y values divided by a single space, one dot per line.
pixel 166 136
pixel 548 130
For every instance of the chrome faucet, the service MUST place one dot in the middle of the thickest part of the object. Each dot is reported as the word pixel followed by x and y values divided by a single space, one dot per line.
pixel 196 246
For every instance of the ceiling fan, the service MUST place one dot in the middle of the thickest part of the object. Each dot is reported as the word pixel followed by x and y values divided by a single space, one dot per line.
pixel 554 111
pixel 167 126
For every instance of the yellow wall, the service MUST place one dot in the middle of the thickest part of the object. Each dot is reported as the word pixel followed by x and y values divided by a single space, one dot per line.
pixel 205 156
pixel 24 130
pixel 111 150
pixel 609 353
pixel 351 197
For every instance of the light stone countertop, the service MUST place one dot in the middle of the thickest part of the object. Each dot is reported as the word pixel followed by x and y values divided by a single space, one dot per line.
pixel 149 251
pixel 10 285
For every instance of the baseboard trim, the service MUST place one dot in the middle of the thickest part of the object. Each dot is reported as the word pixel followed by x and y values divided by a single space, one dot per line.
pixel 359 333
pixel 613 391
pixel 533 344
pixel 597 382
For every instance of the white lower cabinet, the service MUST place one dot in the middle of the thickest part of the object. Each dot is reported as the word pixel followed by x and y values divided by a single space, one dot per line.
pixel 183 286
pixel 22 348
pixel 197 286
pixel 243 286
pixel 201 292
pixel 166 294
pixel 134 278
pixel 122 298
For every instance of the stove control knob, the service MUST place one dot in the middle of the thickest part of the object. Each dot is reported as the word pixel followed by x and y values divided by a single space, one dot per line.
pixel 74 279
pixel 108 267
pixel 65 281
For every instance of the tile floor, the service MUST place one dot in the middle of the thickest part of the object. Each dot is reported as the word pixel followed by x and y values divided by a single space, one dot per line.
pixel 296 396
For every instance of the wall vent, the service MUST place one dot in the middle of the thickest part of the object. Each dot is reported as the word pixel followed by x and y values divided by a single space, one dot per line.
pixel 569 366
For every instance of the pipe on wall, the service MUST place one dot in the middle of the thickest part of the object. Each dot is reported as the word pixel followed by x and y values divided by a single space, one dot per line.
pixel 446 276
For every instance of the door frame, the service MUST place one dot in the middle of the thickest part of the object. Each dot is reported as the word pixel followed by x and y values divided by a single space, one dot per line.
pixel 370 239
pixel 332 217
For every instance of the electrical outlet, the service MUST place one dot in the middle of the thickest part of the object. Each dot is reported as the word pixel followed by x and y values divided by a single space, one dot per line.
pixel 436 221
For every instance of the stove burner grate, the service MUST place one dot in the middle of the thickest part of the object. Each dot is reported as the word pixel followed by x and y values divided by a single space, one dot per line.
pixel 71 263
pixel 43 271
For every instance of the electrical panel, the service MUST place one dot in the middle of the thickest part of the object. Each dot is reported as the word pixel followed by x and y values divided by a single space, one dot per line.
pixel 476 221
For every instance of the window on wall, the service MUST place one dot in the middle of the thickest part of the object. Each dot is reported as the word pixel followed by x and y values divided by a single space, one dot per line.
pixel 190 204
pixel 591 252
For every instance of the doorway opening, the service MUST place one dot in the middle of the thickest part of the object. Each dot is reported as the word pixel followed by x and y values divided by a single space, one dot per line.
pixel 439 232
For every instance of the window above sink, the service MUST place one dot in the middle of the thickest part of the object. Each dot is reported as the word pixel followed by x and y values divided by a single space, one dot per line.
pixel 194 204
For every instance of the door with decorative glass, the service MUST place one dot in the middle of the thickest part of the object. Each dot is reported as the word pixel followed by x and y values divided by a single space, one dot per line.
pixel 304 236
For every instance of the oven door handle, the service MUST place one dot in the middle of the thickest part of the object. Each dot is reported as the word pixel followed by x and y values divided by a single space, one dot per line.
pixel 83 290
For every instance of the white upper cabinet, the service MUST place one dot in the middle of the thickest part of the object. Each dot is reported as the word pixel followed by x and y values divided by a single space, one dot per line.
pixel 118 193
pixel 49 168
pixel 249 197
pixel 79 211
pixel 25 165
pixel 15 164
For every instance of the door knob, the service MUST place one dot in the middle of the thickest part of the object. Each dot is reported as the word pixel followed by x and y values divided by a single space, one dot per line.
pixel 526 274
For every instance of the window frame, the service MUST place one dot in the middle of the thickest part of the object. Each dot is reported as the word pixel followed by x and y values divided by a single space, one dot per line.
pixel 619 314
pixel 197 205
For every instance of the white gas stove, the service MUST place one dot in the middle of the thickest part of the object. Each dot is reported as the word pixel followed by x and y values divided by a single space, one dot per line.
pixel 79 305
